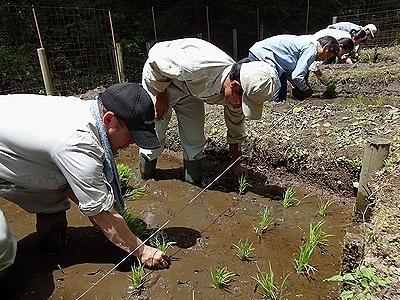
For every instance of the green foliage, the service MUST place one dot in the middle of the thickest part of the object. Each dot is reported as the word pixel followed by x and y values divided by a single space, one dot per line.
pixel 163 245
pixel 221 277
pixel 244 248
pixel 266 281
pixel 323 207
pixel 379 100
pixel 331 90
pixel 125 174
pixel 288 197
pixel 317 237
pixel 137 278
pixel 365 279
pixel 296 154
pixel 134 223
pixel 243 183
pixel 265 221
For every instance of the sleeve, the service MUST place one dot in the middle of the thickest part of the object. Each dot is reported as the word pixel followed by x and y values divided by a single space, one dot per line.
pixel 305 60
pixel 81 162
pixel 234 119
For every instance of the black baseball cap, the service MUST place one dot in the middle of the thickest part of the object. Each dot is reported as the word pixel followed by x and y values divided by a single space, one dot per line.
pixel 131 103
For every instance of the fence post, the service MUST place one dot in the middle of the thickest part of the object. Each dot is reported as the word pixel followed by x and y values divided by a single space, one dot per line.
pixel 375 152
pixel 234 38
pixel 120 63
pixel 261 32
pixel 44 66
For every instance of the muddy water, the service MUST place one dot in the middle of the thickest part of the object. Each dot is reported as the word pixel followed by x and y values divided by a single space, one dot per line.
pixel 205 232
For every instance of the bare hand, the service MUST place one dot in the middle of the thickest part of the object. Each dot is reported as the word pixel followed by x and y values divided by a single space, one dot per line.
pixel 155 259
pixel 161 105
pixel 238 170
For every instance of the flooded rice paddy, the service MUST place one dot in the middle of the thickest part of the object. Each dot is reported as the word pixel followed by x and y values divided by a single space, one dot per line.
pixel 205 232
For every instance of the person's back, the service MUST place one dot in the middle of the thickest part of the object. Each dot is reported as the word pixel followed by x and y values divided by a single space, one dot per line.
pixel 42 127
pixel 345 26
pixel 284 51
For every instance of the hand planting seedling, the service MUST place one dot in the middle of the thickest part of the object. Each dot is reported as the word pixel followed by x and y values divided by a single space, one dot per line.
pixel 244 249
pixel 221 277
pixel 137 278
pixel 265 221
pixel 163 245
pixel 243 183
pixel 269 289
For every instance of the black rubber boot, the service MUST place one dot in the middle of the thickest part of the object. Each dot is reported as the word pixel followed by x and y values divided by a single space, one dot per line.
pixel 52 231
pixel 193 171
pixel 147 167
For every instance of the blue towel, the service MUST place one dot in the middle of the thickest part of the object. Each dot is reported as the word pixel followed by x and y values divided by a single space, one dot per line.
pixel 110 169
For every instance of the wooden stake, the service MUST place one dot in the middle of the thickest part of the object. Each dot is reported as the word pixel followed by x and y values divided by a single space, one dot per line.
pixel 376 151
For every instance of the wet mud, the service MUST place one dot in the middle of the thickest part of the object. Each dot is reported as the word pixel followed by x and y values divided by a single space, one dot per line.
pixel 204 231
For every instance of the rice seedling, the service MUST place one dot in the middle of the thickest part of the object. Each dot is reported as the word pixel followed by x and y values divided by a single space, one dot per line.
pixel 269 289
pixel 125 174
pixel 137 278
pixel 265 221
pixel 221 277
pixel 288 197
pixel 243 183
pixel 163 245
pixel 134 223
pixel 317 235
pixel 323 207
pixel 302 264
pixel 244 248
pixel 379 100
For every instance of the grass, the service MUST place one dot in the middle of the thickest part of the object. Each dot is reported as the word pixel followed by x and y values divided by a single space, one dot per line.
pixel 221 277
pixel 243 183
pixel 137 227
pixel 163 245
pixel 244 248
pixel 267 282
pixel 265 221
pixel 137 278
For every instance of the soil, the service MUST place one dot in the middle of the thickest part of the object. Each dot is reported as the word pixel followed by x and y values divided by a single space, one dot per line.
pixel 315 146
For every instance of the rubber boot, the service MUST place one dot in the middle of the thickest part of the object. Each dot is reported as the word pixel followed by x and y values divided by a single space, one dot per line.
pixel 52 231
pixel 193 171
pixel 147 167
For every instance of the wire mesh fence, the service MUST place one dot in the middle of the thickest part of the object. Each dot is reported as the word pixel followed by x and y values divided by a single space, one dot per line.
pixel 78 45
pixel 384 14
pixel 80 42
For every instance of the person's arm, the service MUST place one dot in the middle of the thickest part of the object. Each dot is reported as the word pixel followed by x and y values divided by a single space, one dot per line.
pixel 301 69
pixel 234 120
pixel 161 105
pixel 237 168
pixel 114 227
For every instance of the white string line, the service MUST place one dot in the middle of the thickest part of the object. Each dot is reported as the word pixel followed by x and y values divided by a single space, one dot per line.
pixel 159 229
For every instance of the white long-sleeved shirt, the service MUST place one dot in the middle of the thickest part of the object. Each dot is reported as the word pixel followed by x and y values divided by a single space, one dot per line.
pixel 198 68
pixel 49 141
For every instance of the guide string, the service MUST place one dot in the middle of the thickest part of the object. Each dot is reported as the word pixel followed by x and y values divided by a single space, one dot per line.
pixel 160 228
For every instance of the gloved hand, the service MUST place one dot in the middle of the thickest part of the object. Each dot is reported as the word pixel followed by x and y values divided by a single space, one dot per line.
pixel 301 95
pixel 325 80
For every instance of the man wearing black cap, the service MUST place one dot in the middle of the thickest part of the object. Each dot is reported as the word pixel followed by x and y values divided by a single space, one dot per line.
pixel 62 147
